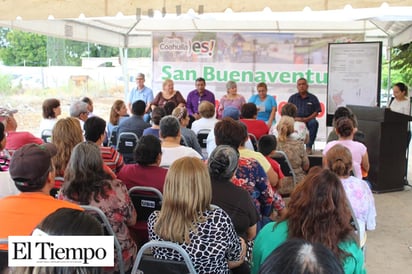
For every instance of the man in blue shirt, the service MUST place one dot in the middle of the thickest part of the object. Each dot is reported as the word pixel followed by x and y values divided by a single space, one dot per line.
pixel 308 108
pixel 141 92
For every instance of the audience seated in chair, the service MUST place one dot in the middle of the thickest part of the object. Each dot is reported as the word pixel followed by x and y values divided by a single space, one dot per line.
pixel 249 175
pixel 267 146
pixel 207 118
pixel 90 107
pixel 134 123
pixel 79 110
pixel 248 117
pixel 146 170
pixel 157 114
pixel 318 212
pixel 233 113
pixel 301 132
pixel 15 139
pixel 346 112
pixel 94 131
pixel 51 109
pixel 295 151
pixel 189 136
pixel 301 256
pixel 22 212
pixel 360 160
pixel 66 135
pixel 118 112
pixel 171 148
pixel 234 200
pixel 7 186
pixel 86 183
pixel 206 234
pixel 339 160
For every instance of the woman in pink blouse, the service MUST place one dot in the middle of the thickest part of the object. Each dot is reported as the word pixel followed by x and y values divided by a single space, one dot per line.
pixel 232 98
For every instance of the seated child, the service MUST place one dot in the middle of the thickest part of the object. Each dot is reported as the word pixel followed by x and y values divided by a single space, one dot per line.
pixel 267 146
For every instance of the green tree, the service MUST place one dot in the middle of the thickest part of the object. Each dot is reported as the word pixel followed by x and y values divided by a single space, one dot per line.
pixel 23 48
pixel 402 62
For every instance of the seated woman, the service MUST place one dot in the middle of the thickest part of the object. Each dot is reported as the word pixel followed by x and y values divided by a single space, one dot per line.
pixel 67 133
pixel 301 132
pixel 339 160
pixel 168 94
pixel 345 112
pixel 300 256
pixel 170 136
pixel 295 151
pixel 230 99
pixel 234 200
pixel 256 127
pixel 249 175
pixel 187 218
pixel 51 109
pixel 146 171
pixel 345 130
pixel 118 112
pixel 86 183
pixel 317 212
pixel 207 117
pixel 189 136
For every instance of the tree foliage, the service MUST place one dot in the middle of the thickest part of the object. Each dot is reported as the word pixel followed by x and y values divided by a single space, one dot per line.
pixel 402 62
pixel 20 48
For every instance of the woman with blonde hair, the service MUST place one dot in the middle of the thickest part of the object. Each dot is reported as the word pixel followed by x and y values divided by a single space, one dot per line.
pixel 66 135
pixel 168 94
pixel 188 135
pixel 339 160
pixel 294 149
pixel 187 218
pixel 318 212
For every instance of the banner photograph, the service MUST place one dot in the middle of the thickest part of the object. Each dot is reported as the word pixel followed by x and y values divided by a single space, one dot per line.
pixel 279 60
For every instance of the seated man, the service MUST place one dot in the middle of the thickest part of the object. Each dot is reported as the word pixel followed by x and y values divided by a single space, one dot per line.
pixel 15 139
pixel 134 123
pixel 308 108
pixel 33 173
pixel 80 110
pixel 94 131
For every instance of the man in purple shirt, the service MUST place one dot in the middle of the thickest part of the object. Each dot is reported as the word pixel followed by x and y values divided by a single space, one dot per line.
pixel 196 96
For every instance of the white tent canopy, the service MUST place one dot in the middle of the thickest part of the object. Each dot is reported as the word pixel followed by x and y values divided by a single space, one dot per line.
pixel 393 25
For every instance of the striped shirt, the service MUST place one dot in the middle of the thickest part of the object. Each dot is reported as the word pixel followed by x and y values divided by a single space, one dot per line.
pixel 112 158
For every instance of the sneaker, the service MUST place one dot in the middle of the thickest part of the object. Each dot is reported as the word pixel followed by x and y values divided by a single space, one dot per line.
pixel 309 151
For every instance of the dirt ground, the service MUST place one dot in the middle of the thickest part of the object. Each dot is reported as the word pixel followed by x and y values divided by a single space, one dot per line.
pixel 389 247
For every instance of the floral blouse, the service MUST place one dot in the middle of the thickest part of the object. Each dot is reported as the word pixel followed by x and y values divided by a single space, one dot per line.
pixel 121 213
pixel 251 177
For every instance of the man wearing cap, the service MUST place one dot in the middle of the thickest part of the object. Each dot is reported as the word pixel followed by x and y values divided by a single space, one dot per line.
pixel 15 139
pixel 141 92
pixel 33 173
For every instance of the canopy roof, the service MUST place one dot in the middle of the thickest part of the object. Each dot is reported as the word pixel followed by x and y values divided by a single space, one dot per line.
pixel 390 24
